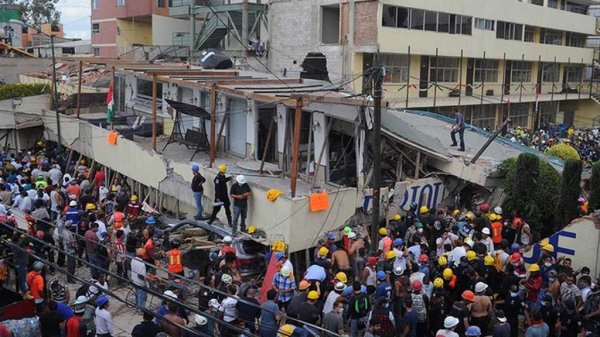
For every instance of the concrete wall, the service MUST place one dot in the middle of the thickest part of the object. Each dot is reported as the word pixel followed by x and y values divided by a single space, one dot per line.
pixel 11 68
pixel 163 28
pixel 130 32
pixel 63 88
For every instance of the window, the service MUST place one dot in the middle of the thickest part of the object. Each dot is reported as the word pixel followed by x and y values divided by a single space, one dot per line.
pixel 537 2
pixel 431 21
pixel 443 22
pixel 444 70
pixel 95 28
pixel 396 68
pixel 330 24
pixel 486 70
pixel 484 24
pixel 483 116
pixel 529 34
pixel 96 51
pixel 389 16
pixel 460 24
pixel 551 36
pixel 550 72
pixel 553 3
pixel 521 71
pixel 95 4
pixel 573 74
pixel 120 3
pixel 162 3
pixel 547 112
pixel 519 114
pixel 576 40
pixel 145 88
pixel 54 28
pixel 509 31
pixel 576 8
pixel 416 18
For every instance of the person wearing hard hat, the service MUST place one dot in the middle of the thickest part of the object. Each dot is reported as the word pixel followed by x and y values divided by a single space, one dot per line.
pixel 481 309
pixel 198 181
pixel 133 207
pixel 285 284
pixel 35 283
pixel 309 311
pixel 487 240
pixel 460 310
pixel 221 195
pixel 240 192
pixel 385 243
pixel 533 284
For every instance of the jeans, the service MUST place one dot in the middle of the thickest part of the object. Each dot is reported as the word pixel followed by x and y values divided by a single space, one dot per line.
pixel 198 201
pixel 354 325
pixel 461 135
pixel 93 264
pixel 140 298
pixel 22 278
pixel 237 211
pixel 71 267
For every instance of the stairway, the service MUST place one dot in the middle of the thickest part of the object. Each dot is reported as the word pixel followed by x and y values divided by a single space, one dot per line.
pixel 213 31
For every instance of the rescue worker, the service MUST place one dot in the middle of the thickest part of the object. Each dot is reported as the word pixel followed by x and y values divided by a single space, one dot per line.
pixel 40 182
pixel 174 258
pixel 133 207
pixel 117 219
pixel 221 195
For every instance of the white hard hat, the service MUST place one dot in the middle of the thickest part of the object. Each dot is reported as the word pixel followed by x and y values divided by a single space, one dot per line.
pixel 73 203
pixel 480 287
pixel 339 286
pixel 498 210
pixel 170 294
pixel 200 320
pixel 352 236
pixel 227 239
pixel 485 231
pixel 450 322
pixel 286 271
pixel 241 179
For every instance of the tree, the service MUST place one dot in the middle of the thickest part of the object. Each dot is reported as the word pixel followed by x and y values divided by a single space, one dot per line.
pixel 563 151
pixel 37 12
pixel 525 186
pixel 594 202
pixel 569 192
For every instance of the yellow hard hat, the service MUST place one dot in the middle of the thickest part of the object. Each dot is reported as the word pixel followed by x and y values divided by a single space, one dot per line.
pixel 488 260
pixel 323 251
pixel 341 276
pixel 396 216
pixel 455 212
pixel 90 206
pixel 424 209
pixel 544 242
pixel 312 295
pixel 382 231
pixel 438 283
pixel 390 255
pixel 493 217
pixel 548 247
pixel 471 255
pixel 33 160
pixel 222 168
pixel 442 261
pixel 534 267
pixel 287 330
pixel 251 229
pixel 82 161
pixel 470 216
pixel 114 188
pixel 134 197
pixel 447 274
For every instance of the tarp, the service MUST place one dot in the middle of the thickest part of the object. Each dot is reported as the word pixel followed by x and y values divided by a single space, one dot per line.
pixel 268 279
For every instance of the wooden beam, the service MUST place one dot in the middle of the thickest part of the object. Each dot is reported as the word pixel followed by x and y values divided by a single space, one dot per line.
pixel 154 93
pixel 179 72
pixel 213 123
pixel 79 88
pixel 266 149
pixel 296 145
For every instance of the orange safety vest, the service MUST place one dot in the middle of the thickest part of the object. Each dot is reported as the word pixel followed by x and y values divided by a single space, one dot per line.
pixel 175 265
pixel 118 217
pixel 496 232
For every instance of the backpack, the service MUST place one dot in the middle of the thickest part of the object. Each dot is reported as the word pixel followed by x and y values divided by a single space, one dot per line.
pixel 419 307
pixel 82 291
pixel 360 305
pixel 83 329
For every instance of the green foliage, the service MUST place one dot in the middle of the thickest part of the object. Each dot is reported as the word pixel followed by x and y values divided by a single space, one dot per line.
pixel 563 151
pixel 37 12
pixel 543 201
pixel 594 202
pixel 525 186
pixel 569 192
pixel 16 90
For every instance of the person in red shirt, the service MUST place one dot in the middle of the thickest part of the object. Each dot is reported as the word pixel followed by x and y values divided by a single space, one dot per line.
pixel 98 178
pixel 227 248
pixel 73 324
pixel 74 189
pixel 35 282
pixel 533 283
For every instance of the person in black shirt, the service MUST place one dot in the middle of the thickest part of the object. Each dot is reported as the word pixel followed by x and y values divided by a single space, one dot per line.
pixel 240 192
pixel 50 321
pixel 248 313
pixel 147 327
pixel 221 196
pixel 569 321
pixel 549 313
pixel 198 190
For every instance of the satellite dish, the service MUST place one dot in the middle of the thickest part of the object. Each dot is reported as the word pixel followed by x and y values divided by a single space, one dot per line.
pixel 215 59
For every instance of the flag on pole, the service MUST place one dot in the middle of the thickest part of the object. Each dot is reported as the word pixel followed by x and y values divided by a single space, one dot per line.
pixel 110 111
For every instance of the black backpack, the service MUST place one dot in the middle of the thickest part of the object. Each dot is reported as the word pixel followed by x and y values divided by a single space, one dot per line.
pixel 360 305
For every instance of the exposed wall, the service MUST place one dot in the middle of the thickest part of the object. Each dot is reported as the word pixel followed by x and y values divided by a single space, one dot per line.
pixel 11 68
pixel 163 28
pixel 130 32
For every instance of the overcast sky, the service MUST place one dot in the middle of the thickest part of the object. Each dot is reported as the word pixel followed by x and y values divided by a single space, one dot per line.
pixel 75 17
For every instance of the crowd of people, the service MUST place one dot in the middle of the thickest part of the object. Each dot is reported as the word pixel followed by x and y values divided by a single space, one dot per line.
pixel 442 272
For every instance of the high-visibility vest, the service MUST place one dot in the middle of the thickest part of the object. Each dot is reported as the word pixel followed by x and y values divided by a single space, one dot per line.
pixel 118 217
pixel 174 261
pixel 496 232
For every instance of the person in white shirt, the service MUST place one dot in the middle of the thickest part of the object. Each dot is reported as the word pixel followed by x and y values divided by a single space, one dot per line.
pixel 26 204
pixel 332 297
pixel 228 308
pixel 101 228
pixel 104 323
pixel 102 192
pixel 487 240
pixel 55 174
pixel 138 276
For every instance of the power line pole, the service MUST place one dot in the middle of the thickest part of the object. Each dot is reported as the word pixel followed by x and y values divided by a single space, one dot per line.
pixel 55 94
pixel 377 79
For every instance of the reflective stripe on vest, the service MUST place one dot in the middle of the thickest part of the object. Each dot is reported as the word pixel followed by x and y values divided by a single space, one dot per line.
pixel 174 262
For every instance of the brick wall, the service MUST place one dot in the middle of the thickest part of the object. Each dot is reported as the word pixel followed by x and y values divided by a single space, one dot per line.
pixel 365 24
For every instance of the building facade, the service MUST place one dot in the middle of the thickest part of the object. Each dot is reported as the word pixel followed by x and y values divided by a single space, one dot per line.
pixel 523 59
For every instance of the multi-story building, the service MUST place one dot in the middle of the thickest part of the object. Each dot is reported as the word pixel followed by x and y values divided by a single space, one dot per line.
pixel 523 59
pixel 10 27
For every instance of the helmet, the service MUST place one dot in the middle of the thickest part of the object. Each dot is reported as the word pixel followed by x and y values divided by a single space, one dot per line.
pixel 396 216
pixel 72 203
pixel 468 295
pixel 200 320
pixel 438 283
pixel 442 261
pixel 484 208
pixel 195 168
pixel 485 231
pixel 549 248
pixel 471 255
pixel 488 260
pixel 175 243
pixel 381 275
pixel 101 300
pixel 473 331
pixel 469 242
pixel 423 209
pixel 331 236
pixel 493 217
pixel 251 229
pixel 534 267
pixel 450 322
pixel 40 177
pixel 171 294
pixel 515 257
pixel 114 189
pixel 82 162
pixel 515 247
pixel 390 255
pixel 470 215
pixel 580 200
pixel 323 252
pixel 341 276
pixel 351 235
pixel 303 285
pixel 413 205
pixel 90 206
pixel 339 286
pixel 347 230
pixel 241 179
pixel 455 212
pixel 398 270
pixel 227 279
pixel 288 329
pixel 498 210
pixel 398 242
pixel 372 260
pixel 383 231
pixel 134 197
pixel 40 234
pixel 38 266
pixel 227 239
pixel 286 271
pixel 480 287
pixel 33 160
pixel 417 285
pixel 150 220
pixel 222 168
pixel 447 274
pixel 312 295
pixel 423 258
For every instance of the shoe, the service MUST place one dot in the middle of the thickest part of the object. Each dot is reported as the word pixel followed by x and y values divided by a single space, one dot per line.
pixel 461 150
pixel 454 144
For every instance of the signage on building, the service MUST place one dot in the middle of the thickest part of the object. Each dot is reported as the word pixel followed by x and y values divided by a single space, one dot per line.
pixel 425 192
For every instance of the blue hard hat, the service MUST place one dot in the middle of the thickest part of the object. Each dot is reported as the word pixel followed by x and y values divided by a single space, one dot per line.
pixel 279 255
pixel 398 242
pixel 101 300
pixel 381 275
pixel 473 330
pixel 195 168
pixel 330 236
pixel 150 220
pixel 515 247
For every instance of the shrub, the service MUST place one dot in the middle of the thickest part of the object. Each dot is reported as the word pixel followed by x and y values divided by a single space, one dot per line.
pixel 16 90
pixel 563 151
pixel 594 202
pixel 567 209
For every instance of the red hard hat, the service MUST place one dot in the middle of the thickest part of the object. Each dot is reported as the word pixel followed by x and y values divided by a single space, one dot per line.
pixel 372 260
pixel 423 258
pixel 484 208
pixel 468 295
pixel 40 234
pixel 417 285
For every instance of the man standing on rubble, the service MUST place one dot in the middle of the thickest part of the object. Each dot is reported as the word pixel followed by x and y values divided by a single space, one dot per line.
pixel 198 190
pixel 221 195
pixel 458 127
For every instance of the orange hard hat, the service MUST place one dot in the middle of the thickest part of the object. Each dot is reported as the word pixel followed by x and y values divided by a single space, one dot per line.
pixel 468 295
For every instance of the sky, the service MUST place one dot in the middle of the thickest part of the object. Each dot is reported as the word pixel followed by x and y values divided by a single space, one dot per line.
pixel 75 17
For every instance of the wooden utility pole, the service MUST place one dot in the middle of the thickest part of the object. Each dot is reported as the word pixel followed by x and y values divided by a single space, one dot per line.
pixel 378 78
pixel 79 88
pixel 296 145
pixel 154 90
pixel 213 123
pixel 112 123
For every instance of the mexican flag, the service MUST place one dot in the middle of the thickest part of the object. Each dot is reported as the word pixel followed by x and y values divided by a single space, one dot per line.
pixel 110 112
